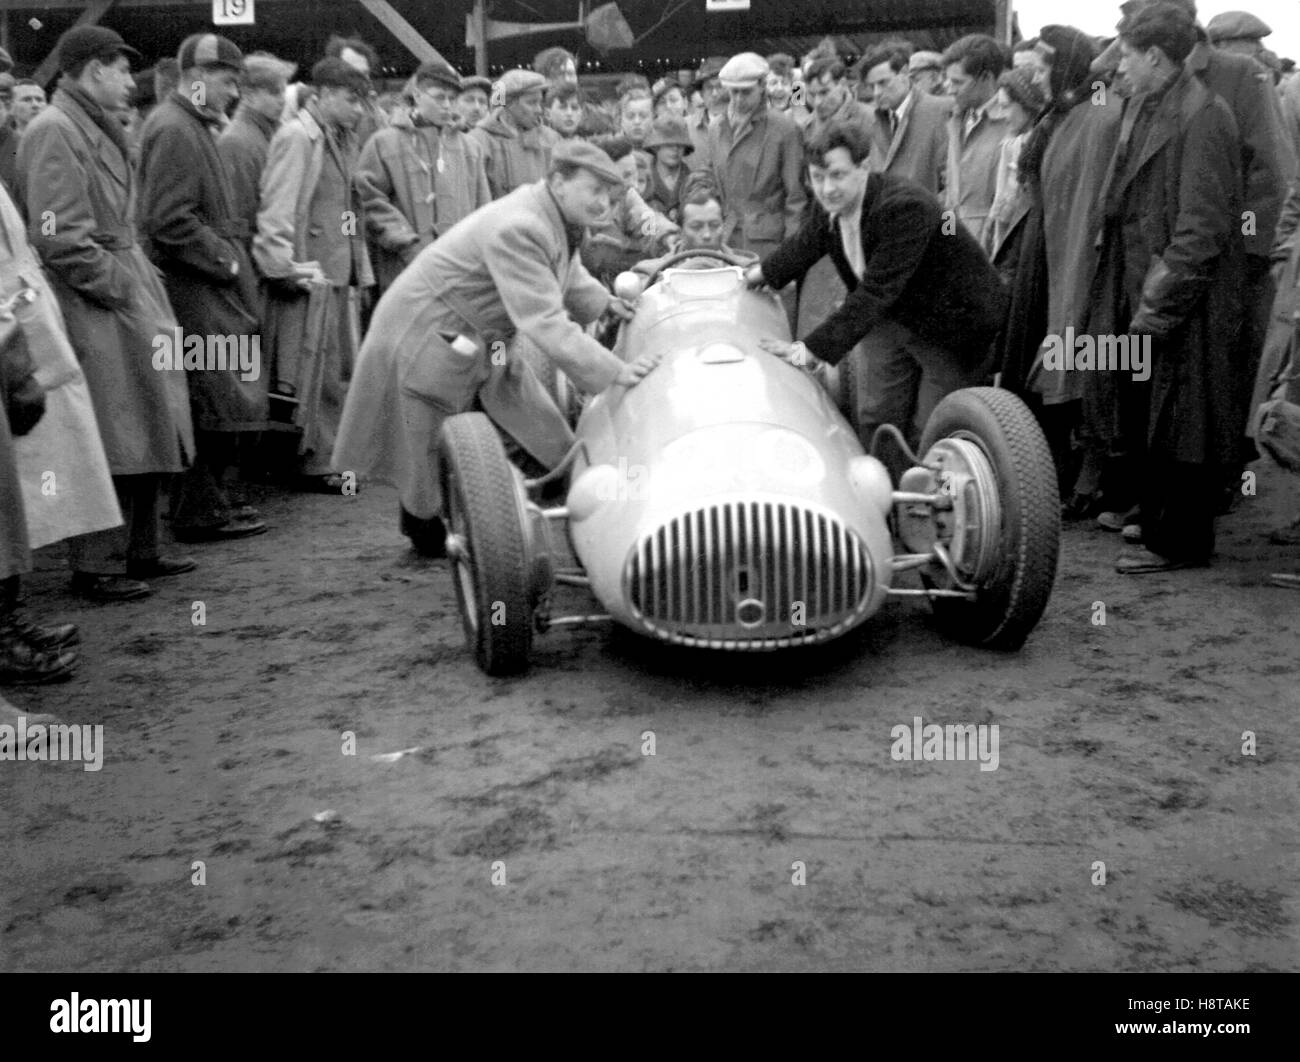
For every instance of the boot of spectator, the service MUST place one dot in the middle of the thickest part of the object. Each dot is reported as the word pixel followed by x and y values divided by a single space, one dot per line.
pixel 30 654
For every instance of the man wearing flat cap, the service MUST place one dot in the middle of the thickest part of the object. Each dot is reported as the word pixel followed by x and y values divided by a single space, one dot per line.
pixel 516 144
pixel 80 194
pixel 421 175
pixel 444 337
pixel 472 102
pixel 310 246
pixel 1238 31
pixel 194 232
pixel 714 97
pixel 757 159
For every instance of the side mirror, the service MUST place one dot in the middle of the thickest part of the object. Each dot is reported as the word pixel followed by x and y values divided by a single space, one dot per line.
pixel 628 286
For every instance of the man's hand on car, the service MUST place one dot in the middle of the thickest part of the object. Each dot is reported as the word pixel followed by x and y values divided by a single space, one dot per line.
pixel 620 308
pixel 754 277
pixel 795 354
pixel 635 371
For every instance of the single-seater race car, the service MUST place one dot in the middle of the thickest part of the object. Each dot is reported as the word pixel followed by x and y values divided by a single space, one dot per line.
pixel 726 503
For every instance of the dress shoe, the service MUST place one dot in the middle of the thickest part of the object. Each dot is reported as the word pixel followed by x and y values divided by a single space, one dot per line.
pixel 159 567
pixel 22 663
pixel 57 636
pixel 108 587
pixel 1142 561
pixel 1113 521
pixel 1286 536
pixel 236 527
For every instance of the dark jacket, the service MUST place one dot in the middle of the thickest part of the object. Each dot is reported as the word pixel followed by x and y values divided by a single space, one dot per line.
pixel 8 156
pixel 1173 267
pixel 193 234
pixel 243 148
pixel 1267 157
pixel 921 272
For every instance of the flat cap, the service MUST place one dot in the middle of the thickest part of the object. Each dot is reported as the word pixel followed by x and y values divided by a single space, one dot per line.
pixel 516 82
pixel 207 49
pixel 667 130
pixel 924 61
pixel 577 152
pixel 85 42
pixel 1237 25
pixel 476 82
pixel 743 70
pixel 438 70
pixel 710 68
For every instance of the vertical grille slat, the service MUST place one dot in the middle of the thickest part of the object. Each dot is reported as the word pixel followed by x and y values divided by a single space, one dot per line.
pixel 688 577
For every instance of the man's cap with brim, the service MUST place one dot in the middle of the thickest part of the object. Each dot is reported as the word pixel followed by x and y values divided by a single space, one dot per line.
pixel 668 130
pixel 208 49
pixel 1237 26
pixel 516 82
pixel 88 42
pixel 476 82
pixel 710 68
pixel 438 70
pixel 744 71
pixel 579 153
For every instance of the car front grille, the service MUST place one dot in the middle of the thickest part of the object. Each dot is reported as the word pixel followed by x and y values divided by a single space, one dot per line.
pixel 749 575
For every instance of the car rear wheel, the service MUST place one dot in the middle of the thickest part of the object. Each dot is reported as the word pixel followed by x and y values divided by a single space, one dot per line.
pixel 487 543
pixel 1010 515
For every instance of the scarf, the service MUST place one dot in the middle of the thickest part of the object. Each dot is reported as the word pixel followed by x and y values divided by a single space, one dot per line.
pixel 107 123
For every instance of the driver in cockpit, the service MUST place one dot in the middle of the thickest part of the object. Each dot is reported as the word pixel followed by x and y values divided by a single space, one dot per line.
pixel 701 229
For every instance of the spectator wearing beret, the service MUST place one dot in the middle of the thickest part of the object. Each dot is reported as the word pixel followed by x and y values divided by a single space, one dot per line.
pixel 421 175
pixel 1021 100
pixel 516 144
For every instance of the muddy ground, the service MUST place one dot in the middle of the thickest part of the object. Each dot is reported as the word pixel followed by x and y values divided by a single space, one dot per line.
pixel 1119 743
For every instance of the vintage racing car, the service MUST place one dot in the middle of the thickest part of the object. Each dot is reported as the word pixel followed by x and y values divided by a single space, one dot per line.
pixel 726 503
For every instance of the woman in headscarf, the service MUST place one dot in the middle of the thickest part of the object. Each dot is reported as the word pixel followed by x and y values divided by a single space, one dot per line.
pixel 1062 167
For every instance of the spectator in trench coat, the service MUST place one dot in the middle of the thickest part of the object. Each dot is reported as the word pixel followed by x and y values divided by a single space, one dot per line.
pixel 194 234
pixel 1173 269
pixel 80 197
pixel 67 488
pixel 421 175
pixel 506 272
pixel 310 246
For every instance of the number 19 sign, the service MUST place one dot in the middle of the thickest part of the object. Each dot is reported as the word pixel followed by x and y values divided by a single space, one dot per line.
pixel 232 12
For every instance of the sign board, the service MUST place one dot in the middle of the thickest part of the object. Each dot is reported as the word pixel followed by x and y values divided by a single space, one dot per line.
pixel 232 12
pixel 726 5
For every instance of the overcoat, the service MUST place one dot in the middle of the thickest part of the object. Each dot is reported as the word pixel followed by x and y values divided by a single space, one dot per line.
pixel 193 232
pixel 758 166
pixel 243 147
pixel 513 157
pixel 79 498
pixel 919 148
pixel 415 183
pixel 506 271
pixel 79 193
pixel 1177 205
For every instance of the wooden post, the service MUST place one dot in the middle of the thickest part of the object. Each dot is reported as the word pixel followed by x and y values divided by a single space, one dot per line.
pixel 479 16
pixel 402 30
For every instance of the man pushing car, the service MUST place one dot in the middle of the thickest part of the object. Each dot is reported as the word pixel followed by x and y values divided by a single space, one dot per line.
pixel 923 303
pixel 442 339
